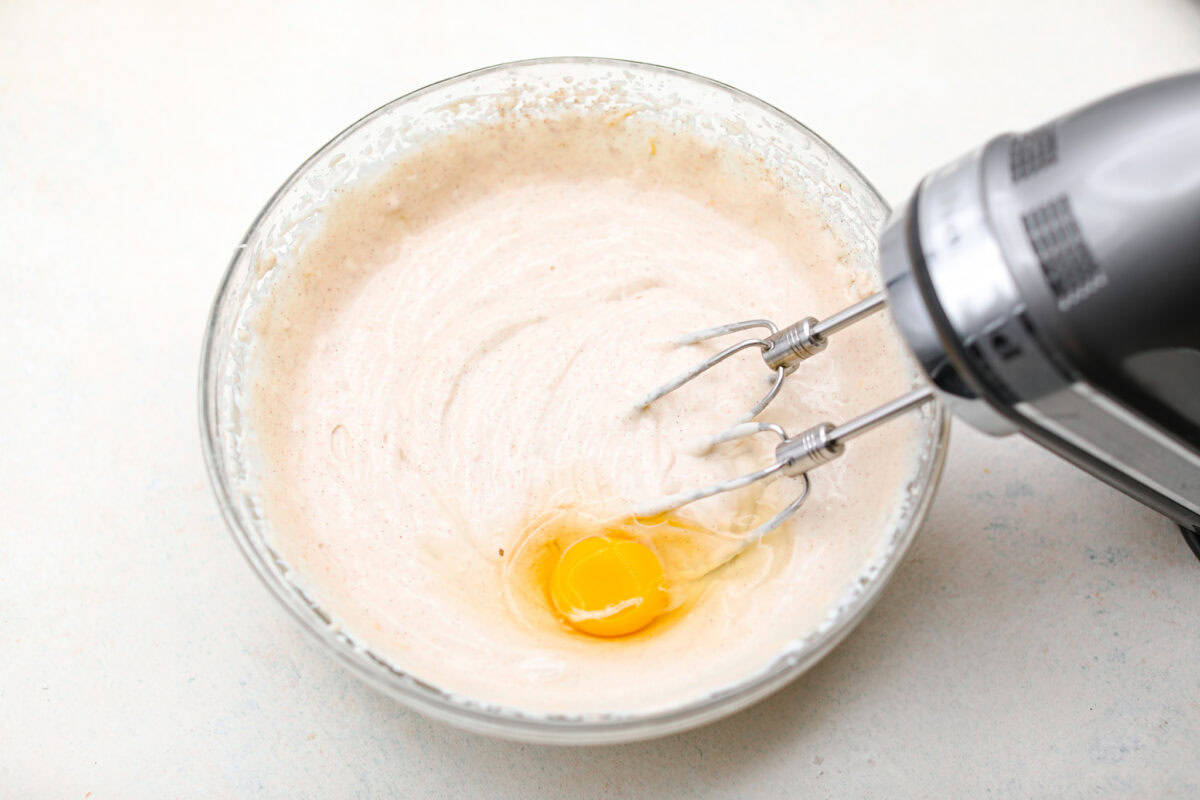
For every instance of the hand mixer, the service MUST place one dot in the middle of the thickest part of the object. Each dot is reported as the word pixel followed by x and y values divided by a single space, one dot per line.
pixel 1047 283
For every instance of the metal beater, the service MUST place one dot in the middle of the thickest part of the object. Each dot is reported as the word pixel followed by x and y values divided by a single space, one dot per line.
pixel 782 351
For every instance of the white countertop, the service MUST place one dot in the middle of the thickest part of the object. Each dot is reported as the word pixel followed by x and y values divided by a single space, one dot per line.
pixel 1040 640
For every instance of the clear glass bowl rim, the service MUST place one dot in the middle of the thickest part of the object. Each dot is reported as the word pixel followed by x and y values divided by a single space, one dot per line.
pixel 537 729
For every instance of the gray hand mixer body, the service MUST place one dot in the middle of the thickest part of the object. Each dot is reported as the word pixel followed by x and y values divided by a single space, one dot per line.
pixel 1048 284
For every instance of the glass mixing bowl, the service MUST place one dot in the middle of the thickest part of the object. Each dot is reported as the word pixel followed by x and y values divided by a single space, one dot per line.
pixel 670 97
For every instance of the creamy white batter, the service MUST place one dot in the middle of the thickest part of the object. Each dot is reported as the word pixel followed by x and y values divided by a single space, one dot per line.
pixel 457 354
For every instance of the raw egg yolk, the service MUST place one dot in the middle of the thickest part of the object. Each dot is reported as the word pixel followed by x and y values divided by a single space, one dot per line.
pixel 608 586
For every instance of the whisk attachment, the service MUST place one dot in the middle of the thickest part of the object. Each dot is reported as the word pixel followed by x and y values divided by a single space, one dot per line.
pixel 709 333
pixel 734 327
pixel 795 456
pixel 739 431
pixel 782 350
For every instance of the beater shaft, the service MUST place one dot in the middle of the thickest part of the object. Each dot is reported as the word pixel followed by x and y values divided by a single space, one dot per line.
pixel 850 315
pixel 873 419
pixel 824 442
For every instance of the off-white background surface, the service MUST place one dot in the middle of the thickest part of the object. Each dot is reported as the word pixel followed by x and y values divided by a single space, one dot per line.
pixel 1041 639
